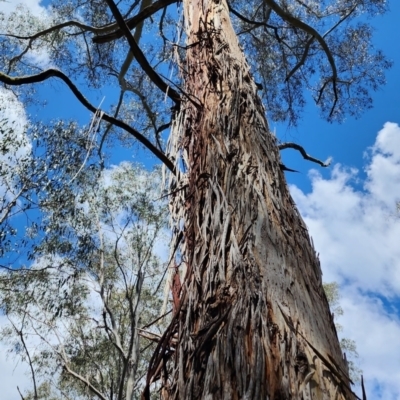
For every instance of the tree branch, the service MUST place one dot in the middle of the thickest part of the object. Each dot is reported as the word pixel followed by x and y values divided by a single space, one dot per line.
pixel 141 59
pixel 252 22
pixel 84 381
pixel 302 60
pixel 84 27
pixel 5 211
pixel 20 334
pixel 106 309
pixel 307 28
pixel 22 80
pixel 130 56
pixel 132 22
pixel 290 145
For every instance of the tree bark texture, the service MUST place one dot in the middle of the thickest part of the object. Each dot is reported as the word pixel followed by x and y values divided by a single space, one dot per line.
pixel 253 321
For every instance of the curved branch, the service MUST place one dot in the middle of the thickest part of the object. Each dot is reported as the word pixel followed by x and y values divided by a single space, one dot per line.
pixel 255 23
pixel 141 59
pixel 17 81
pixel 132 22
pixel 138 34
pixel 307 28
pixel 302 60
pixel 102 29
pixel 85 381
pixel 309 42
pixel 249 21
pixel 290 145
pixel 103 138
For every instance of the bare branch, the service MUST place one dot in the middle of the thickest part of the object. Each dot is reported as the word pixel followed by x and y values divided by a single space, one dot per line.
pixel 84 381
pixel 22 80
pixel 21 336
pixel 7 209
pixel 132 22
pixel 22 397
pixel 107 130
pixel 141 59
pixel 252 22
pixel 84 27
pixel 309 42
pixel 302 60
pixel 149 335
pixel 130 56
pixel 307 28
pixel 363 388
pixel 156 320
pixel 290 145
pixel 107 311
pixel 108 32
pixel 340 21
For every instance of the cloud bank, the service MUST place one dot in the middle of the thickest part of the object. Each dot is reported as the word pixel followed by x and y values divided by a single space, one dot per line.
pixel 357 233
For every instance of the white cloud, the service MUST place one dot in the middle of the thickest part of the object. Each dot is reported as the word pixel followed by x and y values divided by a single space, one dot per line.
pixel 377 335
pixel 357 235
pixel 9 6
pixel 14 145
pixel 20 17
pixel 12 110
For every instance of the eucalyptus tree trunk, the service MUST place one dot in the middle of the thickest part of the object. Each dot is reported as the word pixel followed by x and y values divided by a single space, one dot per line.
pixel 253 321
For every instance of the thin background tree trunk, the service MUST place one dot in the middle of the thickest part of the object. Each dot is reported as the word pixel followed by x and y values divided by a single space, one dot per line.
pixel 254 322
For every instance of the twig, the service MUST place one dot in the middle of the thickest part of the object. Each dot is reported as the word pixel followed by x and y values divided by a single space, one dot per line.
pixel 157 319
pixel 22 397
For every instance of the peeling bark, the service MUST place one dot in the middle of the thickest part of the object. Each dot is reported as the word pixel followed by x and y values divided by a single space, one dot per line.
pixel 253 321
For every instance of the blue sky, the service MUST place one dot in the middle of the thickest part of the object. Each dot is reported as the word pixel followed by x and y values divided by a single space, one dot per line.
pixel 348 207
pixel 347 142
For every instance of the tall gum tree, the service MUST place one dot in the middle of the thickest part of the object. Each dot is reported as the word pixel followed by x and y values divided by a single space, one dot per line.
pixel 251 320
pixel 254 322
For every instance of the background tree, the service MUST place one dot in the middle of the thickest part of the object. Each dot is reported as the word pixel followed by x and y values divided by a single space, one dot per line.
pixel 252 318
pixel 75 315
pixel 347 345
pixel 91 234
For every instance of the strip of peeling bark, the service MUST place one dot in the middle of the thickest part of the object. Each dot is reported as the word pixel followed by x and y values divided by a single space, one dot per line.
pixel 253 321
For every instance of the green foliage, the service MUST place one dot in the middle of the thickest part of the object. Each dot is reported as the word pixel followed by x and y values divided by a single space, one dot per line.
pixel 75 312
pixel 348 346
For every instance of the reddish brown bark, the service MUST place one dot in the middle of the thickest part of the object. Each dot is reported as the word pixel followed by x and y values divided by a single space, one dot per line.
pixel 254 322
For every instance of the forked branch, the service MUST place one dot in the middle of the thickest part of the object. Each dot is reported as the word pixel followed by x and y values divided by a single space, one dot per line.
pixel 106 33
pixel 140 57
pixel 132 22
pixel 310 30
pixel 290 145
pixel 22 80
